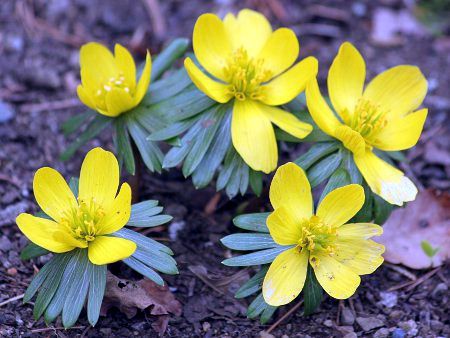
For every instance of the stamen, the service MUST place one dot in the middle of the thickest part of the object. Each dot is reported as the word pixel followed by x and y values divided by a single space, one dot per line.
pixel 368 119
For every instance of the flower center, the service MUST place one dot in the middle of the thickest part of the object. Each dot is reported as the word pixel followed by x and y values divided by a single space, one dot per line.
pixel 316 235
pixel 118 82
pixel 81 221
pixel 367 119
pixel 245 75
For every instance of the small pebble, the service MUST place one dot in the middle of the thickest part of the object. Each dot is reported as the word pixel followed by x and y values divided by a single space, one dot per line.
pixel 369 323
pixel 398 333
pixel 347 316
pixel 328 323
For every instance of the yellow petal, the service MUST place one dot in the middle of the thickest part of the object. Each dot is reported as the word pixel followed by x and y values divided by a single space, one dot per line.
pixel 106 250
pixel 118 101
pixel 401 133
pixel 283 226
pixel 285 278
pixel 346 78
pixel 361 256
pixel 119 214
pixel 63 236
pixel 319 109
pixel 253 136
pixel 351 139
pixel 40 231
pixel 291 190
pixel 97 61
pixel 385 180
pixel 359 231
pixel 85 97
pixel 280 51
pixel 125 64
pixel 249 30
pixel 53 194
pixel 338 280
pixel 398 90
pixel 215 90
pixel 288 85
pixel 341 204
pixel 99 178
pixel 286 121
pixel 144 81
pixel 211 44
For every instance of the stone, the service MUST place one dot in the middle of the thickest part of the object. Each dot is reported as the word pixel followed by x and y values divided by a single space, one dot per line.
pixel 369 323
pixel 381 333
pixel 347 316
pixel 398 333
pixel 388 299
pixel 439 291
pixel 350 335
pixel 409 326
pixel 436 325
pixel 328 323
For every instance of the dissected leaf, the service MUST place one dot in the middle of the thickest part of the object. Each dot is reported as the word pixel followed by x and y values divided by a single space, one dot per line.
pixel 129 297
pixel 425 219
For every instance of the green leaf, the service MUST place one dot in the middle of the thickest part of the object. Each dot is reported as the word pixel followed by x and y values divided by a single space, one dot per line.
pixel 173 130
pixel 256 181
pixel 397 156
pixel 324 169
pixel 366 212
pixel 50 285
pixel 75 122
pixel 312 292
pixel 149 151
pixel 267 313
pixel 168 55
pixel 256 258
pixel 210 123
pixel 144 270
pixel 230 163
pixel 144 214
pixel 95 127
pixel 142 241
pixel 124 149
pixel 428 249
pixel 248 241
pixel 205 171
pixel 256 307
pixel 32 251
pixel 253 285
pixel 315 153
pixel 76 295
pixel 382 209
pixel 349 164
pixel 238 174
pixel 55 262
pixel 339 179
pixel 73 185
pixel 167 87
pixel 56 305
pixel 97 285
pixel 253 222
pixel 158 260
pixel 244 172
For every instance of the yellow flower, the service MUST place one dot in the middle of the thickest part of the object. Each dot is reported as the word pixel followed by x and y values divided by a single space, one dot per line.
pixel 87 221
pixel 109 81
pixel 248 63
pixel 338 252
pixel 381 116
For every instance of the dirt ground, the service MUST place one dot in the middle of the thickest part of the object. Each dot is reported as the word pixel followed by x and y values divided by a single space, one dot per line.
pixel 39 43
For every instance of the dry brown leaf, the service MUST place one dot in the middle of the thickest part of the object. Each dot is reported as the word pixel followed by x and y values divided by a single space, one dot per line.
pixel 425 219
pixel 129 296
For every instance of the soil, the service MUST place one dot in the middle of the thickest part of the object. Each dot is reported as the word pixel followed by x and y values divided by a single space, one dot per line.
pixel 39 43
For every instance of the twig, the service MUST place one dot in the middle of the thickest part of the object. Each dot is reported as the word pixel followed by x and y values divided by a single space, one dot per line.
pixel 211 206
pixel 287 314
pixel 402 271
pixel 412 284
pixel 13 299
pixel 54 105
pixel 45 329
pixel 157 19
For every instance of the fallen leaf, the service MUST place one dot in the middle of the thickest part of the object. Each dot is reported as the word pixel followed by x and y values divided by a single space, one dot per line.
pixel 129 297
pixel 425 219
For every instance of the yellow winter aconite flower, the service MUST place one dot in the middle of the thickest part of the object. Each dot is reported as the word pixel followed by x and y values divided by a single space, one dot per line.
pixel 380 116
pixel 86 221
pixel 109 81
pixel 249 63
pixel 338 252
